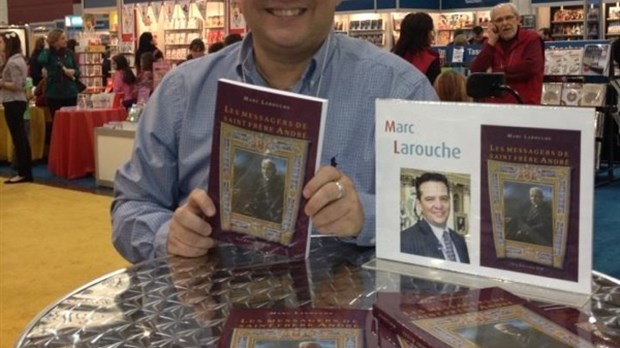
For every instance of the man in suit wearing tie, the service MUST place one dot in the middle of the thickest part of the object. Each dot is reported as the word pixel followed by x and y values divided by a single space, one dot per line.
pixel 430 236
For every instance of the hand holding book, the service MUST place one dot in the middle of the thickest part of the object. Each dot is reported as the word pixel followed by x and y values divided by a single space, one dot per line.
pixel 190 233
pixel 333 203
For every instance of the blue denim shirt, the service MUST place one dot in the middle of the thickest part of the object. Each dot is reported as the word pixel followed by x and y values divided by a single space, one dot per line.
pixel 173 142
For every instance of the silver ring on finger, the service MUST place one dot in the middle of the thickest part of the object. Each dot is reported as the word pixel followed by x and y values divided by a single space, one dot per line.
pixel 340 190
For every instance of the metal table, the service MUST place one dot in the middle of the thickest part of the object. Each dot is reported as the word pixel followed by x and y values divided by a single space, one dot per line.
pixel 179 302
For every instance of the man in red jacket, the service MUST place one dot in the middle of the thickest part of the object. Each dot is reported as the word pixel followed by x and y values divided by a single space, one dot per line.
pixel 517 52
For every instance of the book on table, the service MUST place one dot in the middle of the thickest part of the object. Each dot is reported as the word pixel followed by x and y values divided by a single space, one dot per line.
pixel 266 146
pixel 298 328
pixel 489 317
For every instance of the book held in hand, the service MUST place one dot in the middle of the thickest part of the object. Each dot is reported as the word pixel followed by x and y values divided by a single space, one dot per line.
pixel 489 317
pixel 266 146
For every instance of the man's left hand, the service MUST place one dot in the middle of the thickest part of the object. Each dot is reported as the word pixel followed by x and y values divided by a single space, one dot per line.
pixel 333 203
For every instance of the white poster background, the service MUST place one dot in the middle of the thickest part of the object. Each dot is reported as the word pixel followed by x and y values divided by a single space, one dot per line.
pixel 459 125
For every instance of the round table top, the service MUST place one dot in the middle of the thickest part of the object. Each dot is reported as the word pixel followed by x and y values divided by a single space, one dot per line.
pixel 180 302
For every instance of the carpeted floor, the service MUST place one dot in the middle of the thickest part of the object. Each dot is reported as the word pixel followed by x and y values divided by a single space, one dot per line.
pixel 52 241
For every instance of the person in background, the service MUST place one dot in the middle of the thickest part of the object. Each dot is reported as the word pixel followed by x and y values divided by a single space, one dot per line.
pixel 414 44
pixel 62 70
pixel 34 67
pixel 479 38
pixel 14 100
pixel 196 49
pixel 450 86
pixel 160 205
pixel 106 65
pixel 456 34
pixel 147 43
pixel 460 40
pixel 514 51
pixel 145 76
pixel 72 44
pixel 124 81
pixel 545 34
pixel 232 38
pixel 216 46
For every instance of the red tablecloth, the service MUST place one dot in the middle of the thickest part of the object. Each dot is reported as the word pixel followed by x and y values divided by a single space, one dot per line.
pixel 72 147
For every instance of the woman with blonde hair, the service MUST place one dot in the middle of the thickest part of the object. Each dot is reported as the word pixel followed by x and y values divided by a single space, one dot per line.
pixel 62 71
pixel 450 85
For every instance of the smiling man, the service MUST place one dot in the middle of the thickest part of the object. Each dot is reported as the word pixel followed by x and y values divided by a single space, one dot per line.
pixel 517 52
pixel 160 202
pixel 431 236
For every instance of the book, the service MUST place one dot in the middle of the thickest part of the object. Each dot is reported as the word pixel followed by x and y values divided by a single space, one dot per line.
pixel 593 94
pixel 552 93
pixel 489 317
pixel 297 328
pixel 266 146
pixel 596 59
pixel 490 156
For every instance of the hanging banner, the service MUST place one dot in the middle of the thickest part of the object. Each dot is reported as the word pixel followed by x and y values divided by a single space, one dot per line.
pixel 127 29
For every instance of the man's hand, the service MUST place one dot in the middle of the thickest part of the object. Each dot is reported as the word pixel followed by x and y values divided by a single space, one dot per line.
pixel 333 204
pixel 493 35
pixel 190 234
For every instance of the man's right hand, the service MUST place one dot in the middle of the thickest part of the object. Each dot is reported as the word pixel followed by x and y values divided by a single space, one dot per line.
pixel 190 233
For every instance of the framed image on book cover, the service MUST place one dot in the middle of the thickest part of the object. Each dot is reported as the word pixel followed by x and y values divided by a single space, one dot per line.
pixel 266 146
pixel 519 194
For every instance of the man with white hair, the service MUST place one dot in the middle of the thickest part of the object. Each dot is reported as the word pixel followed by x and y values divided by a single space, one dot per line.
pixel 517 52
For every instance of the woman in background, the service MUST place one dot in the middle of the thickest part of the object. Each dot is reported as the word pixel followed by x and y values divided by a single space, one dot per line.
pixel 14 100
pixel 451 86
pixel 414 44
pixel 62 70
pixel 124 81
pixel 34 67
pixel 145 77
pixel 147 43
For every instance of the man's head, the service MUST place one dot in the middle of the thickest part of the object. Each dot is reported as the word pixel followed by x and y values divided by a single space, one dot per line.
pixel 433 195
pixel 197 48
pixel 505 17
pixel 478 32
pixel 268 168
pixel 507 328
pixel 536 196
pixel 296 29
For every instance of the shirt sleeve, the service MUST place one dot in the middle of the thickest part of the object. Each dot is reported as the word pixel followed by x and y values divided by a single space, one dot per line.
pixel 147 187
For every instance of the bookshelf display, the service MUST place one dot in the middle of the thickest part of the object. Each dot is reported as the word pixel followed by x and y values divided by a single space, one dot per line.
pixel 447 23
pixel 215 22
pixel 574 22
pixel 91 69
pixel 369 27
pixel 612 21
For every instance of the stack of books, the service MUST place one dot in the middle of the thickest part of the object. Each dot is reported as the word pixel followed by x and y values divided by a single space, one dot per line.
pixel 490 317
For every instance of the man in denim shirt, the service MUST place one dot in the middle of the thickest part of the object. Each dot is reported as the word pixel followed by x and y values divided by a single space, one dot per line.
pixel 160 199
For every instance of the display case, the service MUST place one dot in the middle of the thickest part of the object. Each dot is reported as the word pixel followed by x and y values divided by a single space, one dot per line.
pixel 612 21
pixel 574 22
pixel 91 74
pixel 447 23
pixel 215 21
pixel 370 27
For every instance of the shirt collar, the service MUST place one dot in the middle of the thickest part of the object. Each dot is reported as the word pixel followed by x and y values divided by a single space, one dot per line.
pixel 247 72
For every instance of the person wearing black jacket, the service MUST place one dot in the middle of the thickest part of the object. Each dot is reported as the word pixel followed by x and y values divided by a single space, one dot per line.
pixel 35 69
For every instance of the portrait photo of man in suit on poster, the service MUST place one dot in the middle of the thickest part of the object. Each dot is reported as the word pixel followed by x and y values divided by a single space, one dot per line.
pixel 431 236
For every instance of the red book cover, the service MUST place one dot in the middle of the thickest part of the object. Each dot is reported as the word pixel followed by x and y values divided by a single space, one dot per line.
pixel 530 201
pixel 296 328
pixel 266 146
pixel 489 317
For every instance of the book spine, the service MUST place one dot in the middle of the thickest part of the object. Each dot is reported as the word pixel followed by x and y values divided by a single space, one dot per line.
pixel 399 329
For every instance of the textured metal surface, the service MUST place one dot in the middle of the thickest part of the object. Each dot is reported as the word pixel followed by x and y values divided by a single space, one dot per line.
pixel 177 302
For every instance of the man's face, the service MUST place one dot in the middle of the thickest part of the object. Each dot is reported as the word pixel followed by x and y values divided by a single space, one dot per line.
pixel 268 169
pixel 434 200
pixel 294 25
pixel 536 197
pixel 506 22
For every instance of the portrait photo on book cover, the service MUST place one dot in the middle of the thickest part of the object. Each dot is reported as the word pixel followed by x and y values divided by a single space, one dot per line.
pixel 298 338
pixel 512 326
pixel 434 210
pixel 261 183
pixel 529 217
